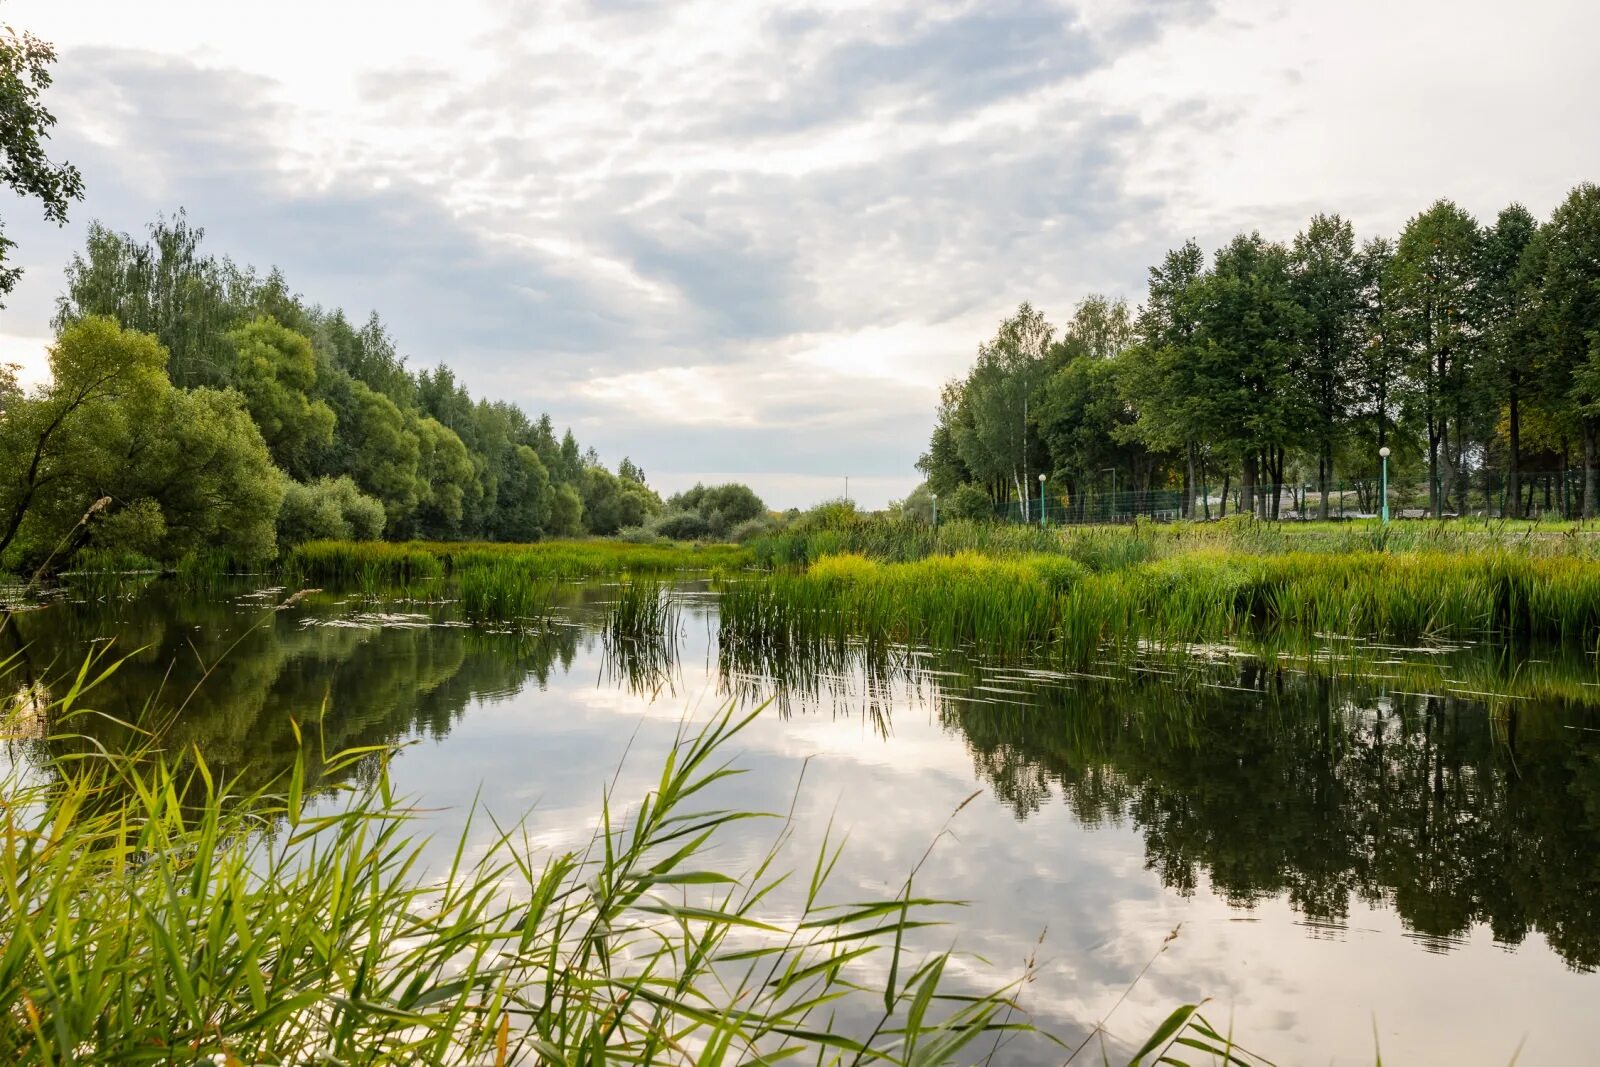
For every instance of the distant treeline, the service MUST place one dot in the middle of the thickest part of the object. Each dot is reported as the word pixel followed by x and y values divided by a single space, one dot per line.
pixel 1462 347
pixel 196 405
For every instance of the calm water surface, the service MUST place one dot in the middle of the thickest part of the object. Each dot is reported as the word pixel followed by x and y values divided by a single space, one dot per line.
pixel 1340 858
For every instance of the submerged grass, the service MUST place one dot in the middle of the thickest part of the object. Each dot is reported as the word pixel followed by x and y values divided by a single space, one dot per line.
pixel 150 913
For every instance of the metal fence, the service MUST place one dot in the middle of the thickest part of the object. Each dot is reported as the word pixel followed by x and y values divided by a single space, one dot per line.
pixel 1544 494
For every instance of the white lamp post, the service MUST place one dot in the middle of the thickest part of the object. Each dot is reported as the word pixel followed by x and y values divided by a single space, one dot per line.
pixel 1384 454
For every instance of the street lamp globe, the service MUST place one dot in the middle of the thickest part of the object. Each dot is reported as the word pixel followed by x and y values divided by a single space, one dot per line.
pixel 1041 477
pixel 1384 451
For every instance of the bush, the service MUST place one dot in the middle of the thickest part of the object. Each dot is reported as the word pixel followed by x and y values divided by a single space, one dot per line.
pixel 721 506
pixel 328 509
pixel 639 535
pixel 683 526
pixel 970 502
pixel 759 527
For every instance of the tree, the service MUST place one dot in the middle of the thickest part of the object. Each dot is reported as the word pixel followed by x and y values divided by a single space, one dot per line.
pixel 25 125
pixel 446 481
pixel 99 374
pixel 202 460
pixel 383 452
pixel 1508 294
pixel 993 437
pixel 163 286
pixel 276 370
pixel 1101 326
pixel 1568 262
pixel 1327 284
pixel 1245 365
pixel 1160 383
pixel 1436 275
pixel 612 502
pixel 524 504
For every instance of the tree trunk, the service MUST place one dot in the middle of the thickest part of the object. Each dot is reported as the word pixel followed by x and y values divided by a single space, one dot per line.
pixel 1514 461
pixel 1433 470
pixel 1187 511
pixel 1247 485
pixel 1324 462
pixel 1588 468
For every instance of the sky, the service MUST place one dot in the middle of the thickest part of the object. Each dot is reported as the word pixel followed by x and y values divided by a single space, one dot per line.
pixel 751 240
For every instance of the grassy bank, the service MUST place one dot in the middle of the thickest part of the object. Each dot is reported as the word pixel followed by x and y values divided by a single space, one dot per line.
pixel 838 531
pixel 1061 607
pixel 400 563
pixel 150 913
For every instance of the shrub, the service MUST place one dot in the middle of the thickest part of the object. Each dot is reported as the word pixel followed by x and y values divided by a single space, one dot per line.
pixel 639 535
pixel 970 502
pixel 758 527
pixel 328 509
pixel 683 526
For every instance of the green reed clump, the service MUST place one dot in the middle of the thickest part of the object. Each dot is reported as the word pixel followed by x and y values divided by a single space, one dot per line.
pixel 138 927
pixel 504 590
pixel 1055 604
pixel 362 563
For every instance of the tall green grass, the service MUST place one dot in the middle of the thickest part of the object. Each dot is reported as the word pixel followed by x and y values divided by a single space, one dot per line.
pixel 151 913
pixel 349 561
pixel 1101 548
pixel 1055 605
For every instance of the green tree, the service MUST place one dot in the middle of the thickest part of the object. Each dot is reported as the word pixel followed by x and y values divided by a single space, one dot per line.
pixel 1327 284
pixel 996 439
pixel 1568 262
pixel 25 125
pixel 383 452
pixel 100 374
pixel 276 370
pixel 1250 326
pixel 1436 275
pixel 566 511
pixel 446 480
pixel 1508 311
pixel 524 505
pixel 1160 382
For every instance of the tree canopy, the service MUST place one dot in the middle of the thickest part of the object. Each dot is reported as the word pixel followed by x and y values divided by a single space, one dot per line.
pixel 1471 351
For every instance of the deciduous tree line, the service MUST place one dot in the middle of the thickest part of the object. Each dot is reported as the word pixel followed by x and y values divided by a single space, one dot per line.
pixel 194 404
pixel 1463 347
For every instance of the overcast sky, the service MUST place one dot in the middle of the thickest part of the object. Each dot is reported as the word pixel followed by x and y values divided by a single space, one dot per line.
pixel 742 240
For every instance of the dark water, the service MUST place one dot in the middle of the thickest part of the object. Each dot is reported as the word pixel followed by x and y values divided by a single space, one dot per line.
pixel 1345 857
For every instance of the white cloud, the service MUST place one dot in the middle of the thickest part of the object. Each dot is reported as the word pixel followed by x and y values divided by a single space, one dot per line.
pixel 696 230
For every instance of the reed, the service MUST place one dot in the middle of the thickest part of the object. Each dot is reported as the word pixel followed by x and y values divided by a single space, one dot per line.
pixel 1056 606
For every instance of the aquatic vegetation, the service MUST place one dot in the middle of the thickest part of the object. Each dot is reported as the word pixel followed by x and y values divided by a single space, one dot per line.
pixel 1056 606
pixel 1103 548
pixel 354 561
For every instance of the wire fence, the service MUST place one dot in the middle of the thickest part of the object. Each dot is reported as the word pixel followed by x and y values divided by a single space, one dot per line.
pixel 1484 494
